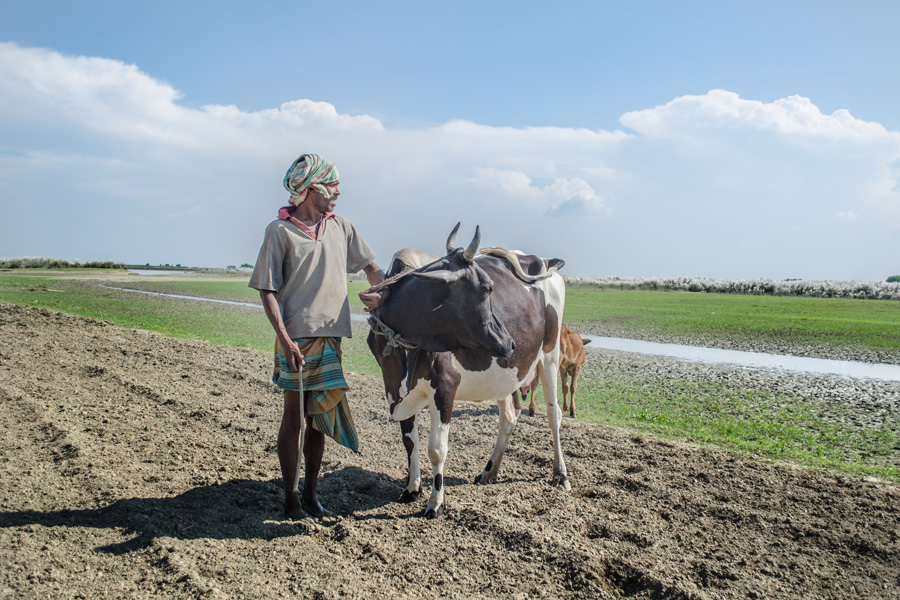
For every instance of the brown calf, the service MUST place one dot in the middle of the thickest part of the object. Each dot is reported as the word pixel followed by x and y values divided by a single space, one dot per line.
pixel 571 357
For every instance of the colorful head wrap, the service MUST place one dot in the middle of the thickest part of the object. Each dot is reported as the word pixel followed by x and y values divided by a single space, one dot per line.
pixel 310 170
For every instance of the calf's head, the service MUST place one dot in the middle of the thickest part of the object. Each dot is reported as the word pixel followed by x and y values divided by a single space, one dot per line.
pixel 447 305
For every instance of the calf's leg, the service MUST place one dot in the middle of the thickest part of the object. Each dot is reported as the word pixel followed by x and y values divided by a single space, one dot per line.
pixel 565 387
pixel 574 374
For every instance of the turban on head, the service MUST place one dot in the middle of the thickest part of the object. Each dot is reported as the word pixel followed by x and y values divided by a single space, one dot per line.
pixel 310 170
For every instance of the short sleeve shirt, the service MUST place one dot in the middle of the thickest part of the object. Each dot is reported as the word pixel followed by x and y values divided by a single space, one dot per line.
pixel 309 277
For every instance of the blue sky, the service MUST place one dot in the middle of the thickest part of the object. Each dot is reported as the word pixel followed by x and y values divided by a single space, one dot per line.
pixel 710 139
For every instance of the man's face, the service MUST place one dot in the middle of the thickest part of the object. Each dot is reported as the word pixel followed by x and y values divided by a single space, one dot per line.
pixel 322 203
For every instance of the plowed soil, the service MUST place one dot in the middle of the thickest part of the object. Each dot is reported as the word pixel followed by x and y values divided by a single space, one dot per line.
pixel 134 465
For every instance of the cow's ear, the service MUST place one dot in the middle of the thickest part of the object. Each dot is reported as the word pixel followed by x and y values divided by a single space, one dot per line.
pixel 556 263
pixel 447 277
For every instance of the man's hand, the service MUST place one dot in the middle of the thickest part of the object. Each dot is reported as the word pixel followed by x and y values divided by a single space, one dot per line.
pixel 372 300
pixel 292 355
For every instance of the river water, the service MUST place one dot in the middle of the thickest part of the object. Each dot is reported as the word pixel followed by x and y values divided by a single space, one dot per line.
pixel 738 358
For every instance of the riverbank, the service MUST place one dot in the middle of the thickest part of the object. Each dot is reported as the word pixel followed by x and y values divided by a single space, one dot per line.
pixel 864 403
pixel 747 345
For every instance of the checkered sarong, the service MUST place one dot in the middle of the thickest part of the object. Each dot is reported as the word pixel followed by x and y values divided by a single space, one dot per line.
pixel 324 387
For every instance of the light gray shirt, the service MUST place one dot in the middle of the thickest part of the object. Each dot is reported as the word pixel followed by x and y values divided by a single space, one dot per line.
pixel 308 276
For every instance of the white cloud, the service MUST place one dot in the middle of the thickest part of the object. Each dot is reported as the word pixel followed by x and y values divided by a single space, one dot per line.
pixel 719 111
pixel 706 185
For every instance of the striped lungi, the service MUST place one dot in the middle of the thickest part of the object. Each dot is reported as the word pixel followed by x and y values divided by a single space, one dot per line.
pixel 324 387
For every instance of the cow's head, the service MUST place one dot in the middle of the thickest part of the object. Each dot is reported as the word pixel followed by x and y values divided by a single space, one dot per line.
pixel 446 305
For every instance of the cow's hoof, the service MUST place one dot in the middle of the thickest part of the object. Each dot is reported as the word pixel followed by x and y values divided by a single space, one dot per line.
pixel 485 478
pixel 434 513
pixel 563 481
pixel 530 413
pixel 572 414
pixel 407 496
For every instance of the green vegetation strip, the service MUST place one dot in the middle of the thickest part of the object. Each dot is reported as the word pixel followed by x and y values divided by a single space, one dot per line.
pixel 859 324
pixel 746 420
pixel 750 421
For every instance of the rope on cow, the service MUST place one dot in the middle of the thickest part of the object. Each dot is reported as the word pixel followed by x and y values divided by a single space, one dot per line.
pixel 392 279
pixel 393 338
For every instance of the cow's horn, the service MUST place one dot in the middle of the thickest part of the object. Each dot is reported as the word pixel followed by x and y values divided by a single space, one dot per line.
pixel 473 246
pixel 452 239
pixel 513 261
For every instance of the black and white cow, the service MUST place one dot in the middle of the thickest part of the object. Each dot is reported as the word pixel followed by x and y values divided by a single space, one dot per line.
pixel 467 327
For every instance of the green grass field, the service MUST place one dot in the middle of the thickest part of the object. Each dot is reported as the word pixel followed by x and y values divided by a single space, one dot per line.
pixel 862 324
pixel 752 421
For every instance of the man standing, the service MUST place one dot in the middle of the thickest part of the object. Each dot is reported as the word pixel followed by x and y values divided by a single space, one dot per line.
pixel 301 277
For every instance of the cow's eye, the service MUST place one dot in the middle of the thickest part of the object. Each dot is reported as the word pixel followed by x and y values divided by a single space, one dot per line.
pixel 486 290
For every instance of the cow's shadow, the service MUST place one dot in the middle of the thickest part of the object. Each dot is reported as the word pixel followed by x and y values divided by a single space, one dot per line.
pixel 237 509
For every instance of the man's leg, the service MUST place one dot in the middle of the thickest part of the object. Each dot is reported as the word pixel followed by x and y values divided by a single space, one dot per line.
pixel 289 448
pixel 313 449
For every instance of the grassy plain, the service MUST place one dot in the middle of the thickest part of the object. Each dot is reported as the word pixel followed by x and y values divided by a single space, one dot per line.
pixel 860 324
pixel 773 425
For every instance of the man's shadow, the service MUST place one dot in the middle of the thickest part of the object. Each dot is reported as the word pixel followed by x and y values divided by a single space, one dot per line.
pixel 240 508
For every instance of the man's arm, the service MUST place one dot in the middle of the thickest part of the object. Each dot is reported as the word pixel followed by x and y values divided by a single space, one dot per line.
pixel 375 276
pixel 289 347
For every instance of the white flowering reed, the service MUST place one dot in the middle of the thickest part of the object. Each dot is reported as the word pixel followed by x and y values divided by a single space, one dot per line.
pixel 871 290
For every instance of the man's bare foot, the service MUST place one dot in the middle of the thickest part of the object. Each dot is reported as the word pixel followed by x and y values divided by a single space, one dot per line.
pixel 314 509
pixel 295 513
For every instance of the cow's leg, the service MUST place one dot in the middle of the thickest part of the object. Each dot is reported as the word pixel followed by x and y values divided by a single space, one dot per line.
pixel 554 418
pixel 437 452
pixel 446 380
pixel 410 432
pixel 509 416
pixel 574 374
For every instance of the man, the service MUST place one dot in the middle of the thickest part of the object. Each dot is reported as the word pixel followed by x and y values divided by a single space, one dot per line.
pixel 301 277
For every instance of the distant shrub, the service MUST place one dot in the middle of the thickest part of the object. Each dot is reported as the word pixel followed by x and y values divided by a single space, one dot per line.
pixel 893 279
pixel 875 290
pixel 46 262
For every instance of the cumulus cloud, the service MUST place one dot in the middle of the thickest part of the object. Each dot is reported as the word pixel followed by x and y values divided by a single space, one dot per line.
pixel 705 185
pixel 720 110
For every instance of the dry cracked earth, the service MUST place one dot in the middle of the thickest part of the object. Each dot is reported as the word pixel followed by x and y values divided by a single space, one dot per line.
pixel 133 465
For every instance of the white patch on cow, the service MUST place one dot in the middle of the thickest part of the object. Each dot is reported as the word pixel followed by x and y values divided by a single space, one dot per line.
pixel 419 397
pixel 492 385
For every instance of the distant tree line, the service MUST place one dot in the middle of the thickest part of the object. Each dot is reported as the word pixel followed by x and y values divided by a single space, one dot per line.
pixel 893 279
pixel 45 262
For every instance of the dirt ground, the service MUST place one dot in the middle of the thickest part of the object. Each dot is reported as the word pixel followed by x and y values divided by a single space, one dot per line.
pixel 138 466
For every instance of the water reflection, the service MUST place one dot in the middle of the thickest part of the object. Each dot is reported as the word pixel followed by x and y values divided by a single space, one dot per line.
pixel 752 360
pixel 159 272
pixel 250 304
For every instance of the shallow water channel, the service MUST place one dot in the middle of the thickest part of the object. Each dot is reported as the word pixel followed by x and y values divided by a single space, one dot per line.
pixel 738 358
